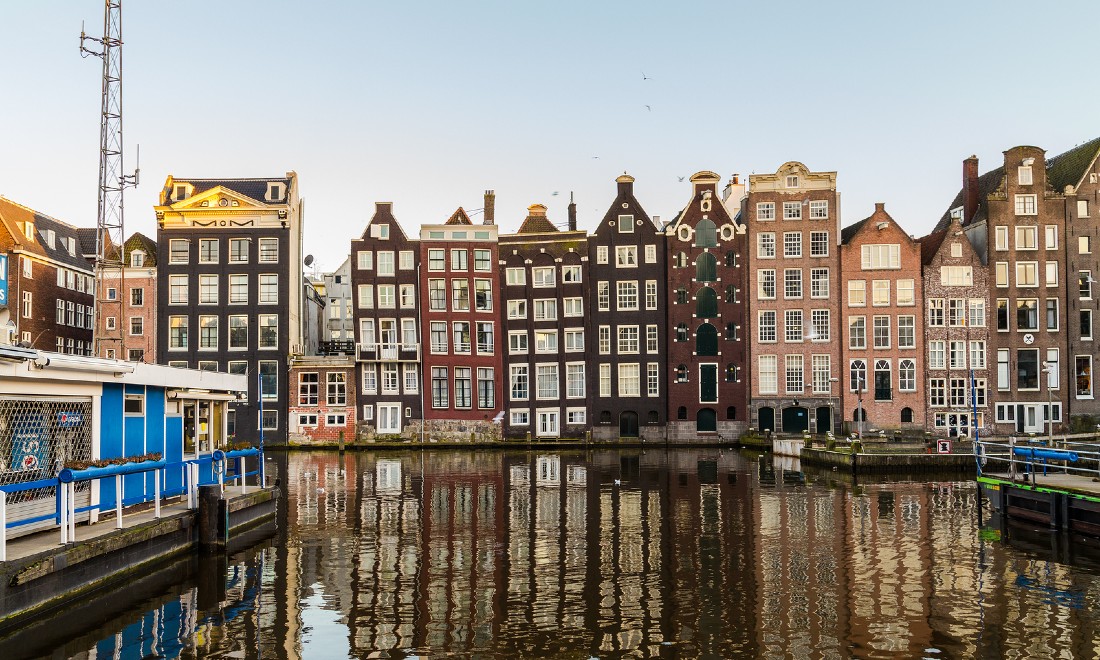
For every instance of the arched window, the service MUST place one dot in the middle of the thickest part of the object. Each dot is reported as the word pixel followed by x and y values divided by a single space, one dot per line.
pixel 855 415
pixel 706 303
pixel 907 376
pixel 706 340
pixel 858 376
pixel 731 373
pixel 907 415
pixel 731 259
pixel 654 417
pixel 682 332
pixel 682 412
pixel 882 381
pixel 706 268
pixel 731 293
pixel 731 412
pixel 706 234
pixel 682 373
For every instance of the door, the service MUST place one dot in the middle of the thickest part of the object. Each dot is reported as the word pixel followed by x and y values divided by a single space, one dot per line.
pixel 767 418
pixel 707 421
pixel 389 418
pixel 796 419
pixel 387 336
pixel 1019 418
pixel 708 383
pixel 548 423
pixel 628 424
pixel 824 415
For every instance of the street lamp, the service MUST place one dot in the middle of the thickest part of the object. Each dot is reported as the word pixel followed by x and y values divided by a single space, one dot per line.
pixel 861 385
pixel 1050 368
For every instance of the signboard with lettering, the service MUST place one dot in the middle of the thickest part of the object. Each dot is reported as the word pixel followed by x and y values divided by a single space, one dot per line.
pixel 29 448
pixel 69 418
pixel 3 280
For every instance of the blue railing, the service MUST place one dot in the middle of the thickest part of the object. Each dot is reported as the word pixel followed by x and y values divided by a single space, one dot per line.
pixel 190 471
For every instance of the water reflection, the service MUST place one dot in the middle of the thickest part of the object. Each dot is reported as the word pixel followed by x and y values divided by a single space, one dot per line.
pixel 682 554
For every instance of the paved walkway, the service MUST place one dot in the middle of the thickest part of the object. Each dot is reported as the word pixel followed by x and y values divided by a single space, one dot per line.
pixel 50 539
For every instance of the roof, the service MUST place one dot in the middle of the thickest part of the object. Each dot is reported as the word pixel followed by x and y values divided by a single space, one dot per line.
pixel 459 217
pixel 987 184
pixel 252 188
pixel 535 224
pixel 851 230
pixel 139 241
pixel 86 236
pixel 1067 169
pixel 13 214
pixel 930 244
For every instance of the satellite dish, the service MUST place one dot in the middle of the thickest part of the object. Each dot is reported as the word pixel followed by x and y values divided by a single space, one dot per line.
pixel 309 260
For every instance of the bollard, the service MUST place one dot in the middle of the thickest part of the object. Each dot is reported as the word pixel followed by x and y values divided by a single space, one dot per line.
pixel 341 441
pixel 210 521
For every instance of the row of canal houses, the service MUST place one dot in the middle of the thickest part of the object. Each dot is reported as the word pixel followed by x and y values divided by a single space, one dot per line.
pixel 754 308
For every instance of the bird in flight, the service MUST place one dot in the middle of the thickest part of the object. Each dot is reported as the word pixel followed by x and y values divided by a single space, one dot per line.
pixel 680 178
pixel 595 158
pixel 649 108
pixel 644 77
pixel 554 194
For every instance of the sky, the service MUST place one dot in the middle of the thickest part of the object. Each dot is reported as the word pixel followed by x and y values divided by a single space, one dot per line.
pixel 429 104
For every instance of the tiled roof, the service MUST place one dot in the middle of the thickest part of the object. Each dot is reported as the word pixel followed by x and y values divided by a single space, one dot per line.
pixel 1066 169
pixel 459 217
pixel 86 236
pixel 987 183
pixel 12 214
pixel 139 241
pixel 930 244
pixel 851 230
pixel 535 224
pixel 253 188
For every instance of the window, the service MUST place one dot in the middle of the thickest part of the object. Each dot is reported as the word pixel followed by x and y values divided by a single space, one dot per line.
pixel 601 254
pixel 937 392
pixel 1003 382
pixel 626 256
pixel 1084 245
pixel 883 381
pixel 574 341
pixel 461 330
pixel 882 331
pixel 880 293
pixel 459 262
pixel 440 387
pixel 792 283
pixel 765 284
pixel 733 294
pixel 857 376
pixel 792 210
pixel 269 250
pixel 570 274
pixel 483 295
pixel 907 329
pixel 336 394
pixel 517 309
pixel 137 297
pixel 543 277
pixel 408 296
pixel 460 295
pixel 765 245
pixel 651 254
pixel 238 332
pixel 546 341
pixel 821 366
pixel 819 209
pixel 977 355
pixel 1052 313
pixel 957 354
pixel 1000 237
pixel 405 259
pixel 515 276
pixel 819 319
pixel 1084 284
pixel 907 375
pixel 956 249
pixel 208 289
pixel 794 374
pixel 1027 238
pixel 880 257
pixel 1082 370
pixel 906 296
pixel 547 381
pixel 604 339
pixel 1051 367
pixel 1002 314
pixel 572 307
pixel 1027 273
pixel 768 374
pixel 603 296
pixel 269 379
pixel 518 382
pixel 681 374
pixel 653 371
pixel 651 341
pixel 308 389
pixel 1027 368
pixel 517 341
pixel 650 295
pixel 627 298
pixel 1085 323
pixel 793 325
pixel 177 289
pixel 208 250
pixel 136 326
pixel 546 309
pixel 766 326
pixel 857 332
pixel 1027 314
pixel 956 309
pixel 485 343
pixel 177 332
pixel 792 244
pixel 269 289
pixel 681 332
pixel 208 332
pixel 857 293
pixel 437 260
pixel 819 244
pixel 179 251
pixel 628 338
pixel 1023 175
pixel 765 211
pixel 976 311
pixel 1026 205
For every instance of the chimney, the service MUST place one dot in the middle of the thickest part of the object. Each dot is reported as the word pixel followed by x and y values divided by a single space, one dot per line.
pixel 626 185
pixel 572 213
pixel 383 208
pixel 970 189
pixel 489 213
pixel 734 189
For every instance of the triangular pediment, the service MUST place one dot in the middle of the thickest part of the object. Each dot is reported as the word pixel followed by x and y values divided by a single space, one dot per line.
pixel 459 217
pixel 218 198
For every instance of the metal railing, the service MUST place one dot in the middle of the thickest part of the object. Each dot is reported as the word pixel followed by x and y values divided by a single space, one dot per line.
pixel 388 352
pixel 65 509
pixel 1028 457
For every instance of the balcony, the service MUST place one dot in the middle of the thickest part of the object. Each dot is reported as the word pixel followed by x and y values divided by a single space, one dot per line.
pixel 388 353
pixel 336 347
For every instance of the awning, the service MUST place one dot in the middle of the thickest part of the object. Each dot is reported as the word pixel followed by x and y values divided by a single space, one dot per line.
pixel 201 396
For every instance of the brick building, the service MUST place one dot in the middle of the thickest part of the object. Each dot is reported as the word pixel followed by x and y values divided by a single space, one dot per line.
pixel 793 235
pixel 385 285
pixel 880 266
pixel 322 398
pixel 137 296
pixel 50 281
pixel 628 382
pixel 707 386
pixel 545 287
pixel 459 293
pixel 956 332
pixel 230 288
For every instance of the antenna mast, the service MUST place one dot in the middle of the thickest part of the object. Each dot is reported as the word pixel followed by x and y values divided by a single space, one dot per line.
pixel 109 254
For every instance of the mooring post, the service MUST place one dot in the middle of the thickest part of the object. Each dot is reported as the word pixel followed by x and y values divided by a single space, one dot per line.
pixel 156 493
pixel 209 518
pixel 341 441
pixel 63 506
pixel 118 501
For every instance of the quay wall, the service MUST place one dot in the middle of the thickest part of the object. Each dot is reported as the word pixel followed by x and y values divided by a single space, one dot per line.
pixel 884 463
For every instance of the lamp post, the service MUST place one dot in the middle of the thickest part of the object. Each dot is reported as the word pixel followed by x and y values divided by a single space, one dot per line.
pixel 861 385
pixel 1050 369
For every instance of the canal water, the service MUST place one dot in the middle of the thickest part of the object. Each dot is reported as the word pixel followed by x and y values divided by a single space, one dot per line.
pixel 605 554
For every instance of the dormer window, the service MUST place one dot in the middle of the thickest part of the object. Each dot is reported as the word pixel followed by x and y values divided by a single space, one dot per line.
pixel 137 259
pixel 792 181
pixel 275 191
pixel 181 191
pixel 28 230
pixel 51 239
pixel 72 246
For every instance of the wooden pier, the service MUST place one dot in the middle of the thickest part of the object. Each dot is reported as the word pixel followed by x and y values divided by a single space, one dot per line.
pixel 1060 501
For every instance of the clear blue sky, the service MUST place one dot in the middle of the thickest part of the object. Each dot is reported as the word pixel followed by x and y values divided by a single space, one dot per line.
pixel 428 104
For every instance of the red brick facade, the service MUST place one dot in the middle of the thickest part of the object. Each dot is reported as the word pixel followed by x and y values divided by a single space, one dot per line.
pixel 322 399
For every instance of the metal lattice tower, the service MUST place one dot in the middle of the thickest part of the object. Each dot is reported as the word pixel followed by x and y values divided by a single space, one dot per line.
pixel 109 255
